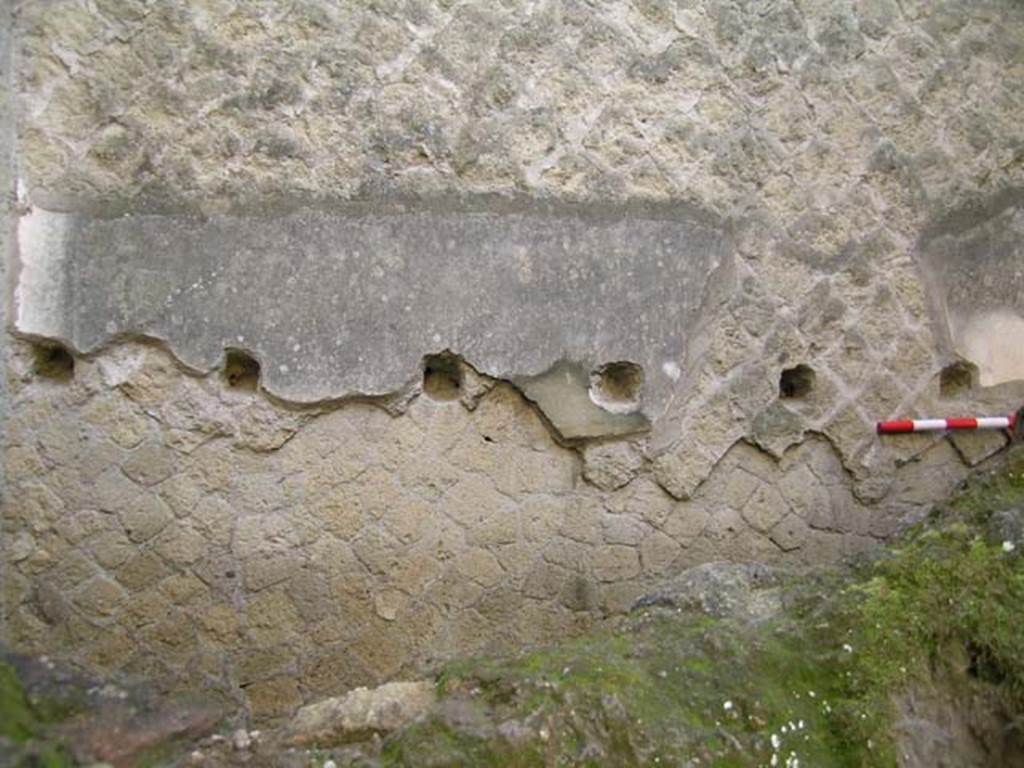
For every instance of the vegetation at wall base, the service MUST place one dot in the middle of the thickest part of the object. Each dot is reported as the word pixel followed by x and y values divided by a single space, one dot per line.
pixel 932 622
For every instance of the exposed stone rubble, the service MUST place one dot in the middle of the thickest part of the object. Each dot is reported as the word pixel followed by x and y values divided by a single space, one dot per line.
pixel 166 523
pixel 361 714
pixel 103 721
pixel 747 591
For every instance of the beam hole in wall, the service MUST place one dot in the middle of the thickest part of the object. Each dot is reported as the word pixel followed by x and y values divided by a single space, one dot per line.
pixel 616 386
pixel 957 378
pixel 796 382
pixel 442 376
pixel 53 361
pixel 241 370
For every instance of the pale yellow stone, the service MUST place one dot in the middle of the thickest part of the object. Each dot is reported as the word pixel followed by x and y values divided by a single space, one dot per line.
pixel 215 518
pixel 615 563
pixel 388 603
pixel 658 552
pixel 480 566
pixel 101 597
pixel 414 570
pixel 180 545
pixel 23 462
pixel 182 493
pixel 117 419
pixel 184 588
pixel 765 508
pixel 266 570
pixel 113 491
pixel 111 548
pixel 220 622
pixel 36 505
pixel 77 526
pixel 144 517
pixel 141 571
pixel 272 618
pixel 409 520
pixel 146 607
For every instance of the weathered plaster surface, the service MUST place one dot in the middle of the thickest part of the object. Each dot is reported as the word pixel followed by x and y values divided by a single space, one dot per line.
pixel 164 522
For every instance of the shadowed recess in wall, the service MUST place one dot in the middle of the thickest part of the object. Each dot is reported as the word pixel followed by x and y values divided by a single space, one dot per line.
pixel 345 301
pixel 972 263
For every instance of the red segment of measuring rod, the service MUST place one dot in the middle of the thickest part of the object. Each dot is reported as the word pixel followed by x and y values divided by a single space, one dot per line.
pixel 893 427
pixel 961 423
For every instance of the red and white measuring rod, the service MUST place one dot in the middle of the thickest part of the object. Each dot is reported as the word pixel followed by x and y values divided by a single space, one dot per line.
pixel 941 425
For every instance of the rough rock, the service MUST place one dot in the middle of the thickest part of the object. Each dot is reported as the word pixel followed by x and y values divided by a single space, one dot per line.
pixel 611 465
pixel 1006 525
pixel 748 591
pixel 361 713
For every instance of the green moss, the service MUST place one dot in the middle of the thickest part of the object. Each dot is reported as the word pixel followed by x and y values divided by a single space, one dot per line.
pixel 21 723
pixel 17 721
pixel 664 688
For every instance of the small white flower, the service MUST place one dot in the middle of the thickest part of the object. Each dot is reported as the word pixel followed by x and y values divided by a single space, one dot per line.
pixel 774 761
pixel 847 647
pixel 330 764
pixel 776 741
pixel 812 694
pixel 727 706
pixel 1009 546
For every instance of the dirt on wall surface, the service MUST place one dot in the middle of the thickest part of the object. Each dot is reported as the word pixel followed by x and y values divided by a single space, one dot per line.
pixel 171 522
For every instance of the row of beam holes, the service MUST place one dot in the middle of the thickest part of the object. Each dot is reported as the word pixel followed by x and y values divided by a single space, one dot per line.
pixel 618 383
pixel 954 380
pixel 442 374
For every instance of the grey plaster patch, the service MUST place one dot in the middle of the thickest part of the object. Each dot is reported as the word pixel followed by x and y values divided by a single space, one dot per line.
pixel 974 265
pixel 344 302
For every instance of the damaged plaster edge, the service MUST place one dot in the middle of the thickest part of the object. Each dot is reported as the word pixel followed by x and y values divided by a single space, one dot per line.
pixel 454 202
pixel 395 402
pixel 8 238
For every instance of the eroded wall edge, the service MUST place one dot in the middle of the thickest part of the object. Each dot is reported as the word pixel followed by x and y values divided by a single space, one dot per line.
pixel 8 200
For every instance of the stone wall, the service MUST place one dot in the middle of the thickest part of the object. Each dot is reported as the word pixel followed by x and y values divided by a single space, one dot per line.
pixel 8 111
pixel 348 337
